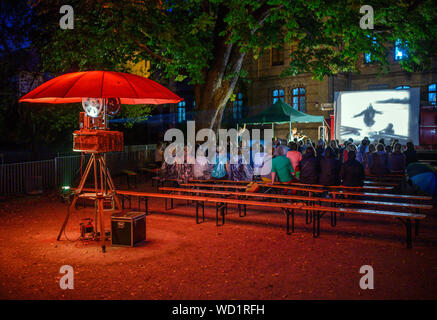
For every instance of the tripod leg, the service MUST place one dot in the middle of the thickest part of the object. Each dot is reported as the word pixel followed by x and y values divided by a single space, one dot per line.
pixel 102 223
pixel 111 183
pixel 83 179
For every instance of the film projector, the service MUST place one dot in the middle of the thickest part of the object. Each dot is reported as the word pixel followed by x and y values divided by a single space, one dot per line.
pixel 95 138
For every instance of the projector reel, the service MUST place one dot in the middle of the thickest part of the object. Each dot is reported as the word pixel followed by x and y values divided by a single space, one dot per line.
pixel 92 106
pixel 113 106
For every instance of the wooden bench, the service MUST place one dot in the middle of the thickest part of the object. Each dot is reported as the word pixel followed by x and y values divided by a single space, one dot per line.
pixel 416 208
pixel 243 187
pixel 242 195
pixel 366 182
pixel 402 197
pixel 296 184
pixel 287 208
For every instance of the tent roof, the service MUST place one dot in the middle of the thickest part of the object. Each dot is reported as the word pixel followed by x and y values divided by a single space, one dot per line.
pixel 281 112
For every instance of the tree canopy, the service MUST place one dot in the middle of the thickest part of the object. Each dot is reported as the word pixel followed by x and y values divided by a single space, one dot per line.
pixel 207 42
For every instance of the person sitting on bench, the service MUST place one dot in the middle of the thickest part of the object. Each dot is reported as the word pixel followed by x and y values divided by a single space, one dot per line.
pixel 380 161
pixel 281 167
pixel 396 160
pixel 329 169
pixel 352 171
pixel 309 167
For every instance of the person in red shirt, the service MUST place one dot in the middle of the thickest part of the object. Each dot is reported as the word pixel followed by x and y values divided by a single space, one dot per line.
pixel 294 155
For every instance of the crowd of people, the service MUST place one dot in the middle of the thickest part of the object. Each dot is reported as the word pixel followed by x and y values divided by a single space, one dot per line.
pixel 310 163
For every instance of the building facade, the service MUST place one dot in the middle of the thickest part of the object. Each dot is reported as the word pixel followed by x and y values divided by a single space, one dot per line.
pixel 316 97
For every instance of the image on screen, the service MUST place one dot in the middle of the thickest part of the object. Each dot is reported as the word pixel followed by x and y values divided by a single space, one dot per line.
pixel 376 114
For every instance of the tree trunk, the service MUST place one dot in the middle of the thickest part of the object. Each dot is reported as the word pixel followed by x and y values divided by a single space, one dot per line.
pixel 213 95
pixel 222 76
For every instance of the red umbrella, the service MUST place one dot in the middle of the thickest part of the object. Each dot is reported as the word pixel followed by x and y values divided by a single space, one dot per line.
pixel 129 88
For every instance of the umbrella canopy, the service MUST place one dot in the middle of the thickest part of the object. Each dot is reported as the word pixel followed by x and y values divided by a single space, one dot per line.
pixel 281 112
pixel 424 177
pixel 129 88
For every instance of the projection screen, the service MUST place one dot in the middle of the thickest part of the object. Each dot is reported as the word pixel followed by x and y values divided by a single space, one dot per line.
pixel 376 114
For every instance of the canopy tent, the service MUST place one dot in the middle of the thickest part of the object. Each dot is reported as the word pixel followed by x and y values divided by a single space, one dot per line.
pixel 281 112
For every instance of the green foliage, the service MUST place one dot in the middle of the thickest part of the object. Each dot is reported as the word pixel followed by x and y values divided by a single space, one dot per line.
pixel 181 36
pixel 188 38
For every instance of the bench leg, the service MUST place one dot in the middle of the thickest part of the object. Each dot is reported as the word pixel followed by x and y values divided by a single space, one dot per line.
pixel 222 208
pixel 309 217
pixel 316 224
pixel 200 204
pixel 242 210
pixel 333 219
pixel 409 232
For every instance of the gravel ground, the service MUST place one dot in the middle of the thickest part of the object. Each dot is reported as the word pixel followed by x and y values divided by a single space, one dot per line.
pixel 247 258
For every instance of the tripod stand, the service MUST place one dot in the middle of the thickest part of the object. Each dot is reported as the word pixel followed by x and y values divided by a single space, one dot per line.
pixel 106 191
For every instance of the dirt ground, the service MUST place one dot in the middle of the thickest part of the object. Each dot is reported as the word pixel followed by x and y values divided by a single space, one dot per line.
pixel 247 258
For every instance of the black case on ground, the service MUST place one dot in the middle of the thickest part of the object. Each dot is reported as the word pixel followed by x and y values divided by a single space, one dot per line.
pixel 128 228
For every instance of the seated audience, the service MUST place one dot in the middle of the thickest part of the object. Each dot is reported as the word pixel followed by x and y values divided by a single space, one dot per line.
pixel 396 160
pixel 320 149
pixel 184 168
pixel 219 167
pixel 337 151
pixel 281 167
pixel 309 167
pixel 262 163
pixel 368 159
pixel 352 171
pixel 362 149
pixel 379 161
pixel 201 165
pixel 241 170
pixel 410 154
pixel 294 155
pixel 329 169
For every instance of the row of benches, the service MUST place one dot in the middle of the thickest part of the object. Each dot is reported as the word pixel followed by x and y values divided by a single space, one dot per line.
pixel 315 207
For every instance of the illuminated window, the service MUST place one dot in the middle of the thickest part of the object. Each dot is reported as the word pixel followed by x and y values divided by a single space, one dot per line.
pixel 432 93
pixel 181 111
pixel 277 56
pixel 278 94
pixel 238 106
pixel 298 99
pixel 402 87
pixel 401 51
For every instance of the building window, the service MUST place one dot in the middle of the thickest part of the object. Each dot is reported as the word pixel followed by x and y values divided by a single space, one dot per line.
pixel 181 111
pixel 298 98
pixel 432 94
pixel 278 94
pixel 277 56
pixel 401 51
pixel 402 87
pixel 238 106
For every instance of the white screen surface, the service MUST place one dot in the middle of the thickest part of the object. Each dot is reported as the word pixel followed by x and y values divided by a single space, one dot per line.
pixel 376 114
